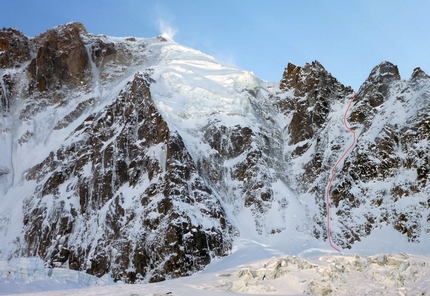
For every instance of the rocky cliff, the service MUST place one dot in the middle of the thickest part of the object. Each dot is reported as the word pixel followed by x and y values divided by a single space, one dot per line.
pixel 383 181
pixel 144 159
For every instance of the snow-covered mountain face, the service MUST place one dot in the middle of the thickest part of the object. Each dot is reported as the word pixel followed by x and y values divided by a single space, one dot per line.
pixel 144 159
pixel 105 184
pixel 384 179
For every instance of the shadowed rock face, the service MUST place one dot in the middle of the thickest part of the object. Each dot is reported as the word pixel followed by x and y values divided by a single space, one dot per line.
pixel 143 232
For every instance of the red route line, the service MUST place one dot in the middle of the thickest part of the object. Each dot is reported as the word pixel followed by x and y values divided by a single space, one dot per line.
pixel 327 191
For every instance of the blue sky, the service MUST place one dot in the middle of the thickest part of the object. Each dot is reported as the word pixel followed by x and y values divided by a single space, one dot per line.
pixel 349 38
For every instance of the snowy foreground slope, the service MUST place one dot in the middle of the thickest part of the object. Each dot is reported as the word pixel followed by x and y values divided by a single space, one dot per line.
pixel 312 272
pixel 140 160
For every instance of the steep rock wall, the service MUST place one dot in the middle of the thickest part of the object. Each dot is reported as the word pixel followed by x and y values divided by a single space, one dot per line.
pixel 124 197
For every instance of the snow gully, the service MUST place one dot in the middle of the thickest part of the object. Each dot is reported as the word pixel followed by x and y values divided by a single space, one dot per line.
pixel 327 191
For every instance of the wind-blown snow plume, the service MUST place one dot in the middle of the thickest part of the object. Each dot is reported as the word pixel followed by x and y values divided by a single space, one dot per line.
pixel 166 29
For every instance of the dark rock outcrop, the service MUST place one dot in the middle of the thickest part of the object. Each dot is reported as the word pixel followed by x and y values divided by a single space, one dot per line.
pixel 15 48
pixel 317 90
pixel 61 60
